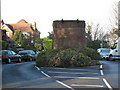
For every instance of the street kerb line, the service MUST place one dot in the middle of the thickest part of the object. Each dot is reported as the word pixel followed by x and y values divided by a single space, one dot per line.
pixel 108 85
pixel 65 85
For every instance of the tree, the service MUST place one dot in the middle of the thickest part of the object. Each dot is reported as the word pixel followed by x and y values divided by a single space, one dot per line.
pixel 50 35
pixel 114 22
pixel 94 32
pixel 94 44
pixel 18 37
pixel 3 45
pixel 47 43
pixel 96 36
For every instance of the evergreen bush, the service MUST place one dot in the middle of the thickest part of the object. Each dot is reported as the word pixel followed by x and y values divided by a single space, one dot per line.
pixel 66 58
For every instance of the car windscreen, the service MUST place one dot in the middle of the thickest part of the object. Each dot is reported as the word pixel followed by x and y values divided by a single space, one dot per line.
pixel 13 52
pixel 105 50
pixel 26 52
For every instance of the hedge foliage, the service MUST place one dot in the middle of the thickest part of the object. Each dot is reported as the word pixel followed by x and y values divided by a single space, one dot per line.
pixel 67 58
pixel 47 43
pixel 3 45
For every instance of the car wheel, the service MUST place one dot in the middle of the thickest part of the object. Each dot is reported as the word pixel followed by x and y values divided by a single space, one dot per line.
pixel 31 59
pixel 9 60
pixel 110 57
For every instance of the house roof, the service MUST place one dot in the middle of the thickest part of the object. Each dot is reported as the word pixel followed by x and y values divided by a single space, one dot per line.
pixel 10 27
pixel 24 27
pixel 22 21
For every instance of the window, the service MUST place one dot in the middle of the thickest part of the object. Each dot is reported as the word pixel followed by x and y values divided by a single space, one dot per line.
pixel 8 34
pixel 13 52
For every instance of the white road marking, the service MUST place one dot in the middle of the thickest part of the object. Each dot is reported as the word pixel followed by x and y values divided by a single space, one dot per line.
pixel 56 80
pixel 71 72
pixel 101 72
pixel 45 74
pixel 87 85
pixel 101 66
pixel 65 85
pixel 37 68
pixel 66 68
pixel 76 77
pixel 108 85
pixel 105 81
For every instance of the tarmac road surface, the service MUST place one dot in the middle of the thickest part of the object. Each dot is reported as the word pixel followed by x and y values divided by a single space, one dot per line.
pixel 27 75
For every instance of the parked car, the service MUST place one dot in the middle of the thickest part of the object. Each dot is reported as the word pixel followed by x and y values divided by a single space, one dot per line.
pixel 27 55
pixel 19 49
pixel 104 52
pixel 9 56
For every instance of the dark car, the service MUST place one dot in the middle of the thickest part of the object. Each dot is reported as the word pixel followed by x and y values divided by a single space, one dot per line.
pixel 9 56
pixel 27 55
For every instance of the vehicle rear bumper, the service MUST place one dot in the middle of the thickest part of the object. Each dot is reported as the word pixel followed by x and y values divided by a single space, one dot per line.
pixel 115 57
pixel 4 59
pixel 25 57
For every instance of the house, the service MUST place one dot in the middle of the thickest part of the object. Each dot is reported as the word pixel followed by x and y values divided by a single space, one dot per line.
pixel 29 31
pixel 26 28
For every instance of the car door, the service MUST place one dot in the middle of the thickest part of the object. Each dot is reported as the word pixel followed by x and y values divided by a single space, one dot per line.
pixel 10 55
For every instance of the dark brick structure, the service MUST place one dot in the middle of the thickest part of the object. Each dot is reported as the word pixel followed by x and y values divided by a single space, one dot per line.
pixel 69 34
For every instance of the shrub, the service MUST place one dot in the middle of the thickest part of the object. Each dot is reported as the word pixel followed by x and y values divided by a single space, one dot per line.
pixel 65 58
pixel 94 44
pixel 43 57
pixel 80 60
pixel 94 55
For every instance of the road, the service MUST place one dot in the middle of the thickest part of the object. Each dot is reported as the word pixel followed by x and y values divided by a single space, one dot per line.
pixel 27 75
pixel 112 72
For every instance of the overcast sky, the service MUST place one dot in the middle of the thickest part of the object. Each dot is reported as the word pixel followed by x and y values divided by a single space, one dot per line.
pixel 44 12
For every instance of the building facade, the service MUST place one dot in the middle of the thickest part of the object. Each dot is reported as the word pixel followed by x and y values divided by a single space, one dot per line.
pixel 29 31
pixel 25 27
pixel 69 34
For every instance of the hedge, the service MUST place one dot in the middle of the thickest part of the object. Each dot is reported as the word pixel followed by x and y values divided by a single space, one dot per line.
pixel 67 58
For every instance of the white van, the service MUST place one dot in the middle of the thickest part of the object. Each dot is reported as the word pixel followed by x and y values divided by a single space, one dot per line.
pixel 115 52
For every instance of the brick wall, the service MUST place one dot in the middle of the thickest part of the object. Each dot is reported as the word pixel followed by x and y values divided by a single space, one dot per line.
pixel 69 34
